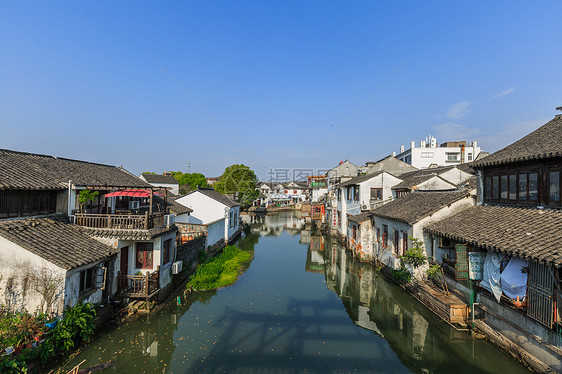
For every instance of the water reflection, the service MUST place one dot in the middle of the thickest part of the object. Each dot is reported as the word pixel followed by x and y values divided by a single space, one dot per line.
pixel 335 315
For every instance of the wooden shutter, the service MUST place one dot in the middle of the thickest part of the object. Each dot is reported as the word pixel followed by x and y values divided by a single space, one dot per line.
pixel 461 265
pixel 540 292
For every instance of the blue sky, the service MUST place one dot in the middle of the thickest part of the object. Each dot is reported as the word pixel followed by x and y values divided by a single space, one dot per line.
pixel 88 80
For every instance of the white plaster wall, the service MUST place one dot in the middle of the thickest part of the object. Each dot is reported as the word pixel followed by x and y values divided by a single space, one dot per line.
pixel 72 287
pixel 455 176
pixel 440 156
pixel 435 184
pixel 16 262
pixel 204 208
pixel 232 227
pixel 215 231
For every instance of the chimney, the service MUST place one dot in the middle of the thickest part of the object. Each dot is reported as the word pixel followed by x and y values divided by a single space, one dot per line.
pixel 393 154
pixel 474 144
pixel 422 144
pixel 401 149
pixel 412 145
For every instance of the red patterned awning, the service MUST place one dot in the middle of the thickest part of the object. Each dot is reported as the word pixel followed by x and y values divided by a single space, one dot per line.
pixel 130 193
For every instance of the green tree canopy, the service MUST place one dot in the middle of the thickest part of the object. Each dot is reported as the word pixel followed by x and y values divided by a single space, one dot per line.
pixel 240 181
pixel 190 181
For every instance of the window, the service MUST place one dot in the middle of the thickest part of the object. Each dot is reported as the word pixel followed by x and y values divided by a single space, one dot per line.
pixel 533 186
pixel 427 154
pixel 384 235
pixel 469 156
pixel 397 241
pixel 166 251
pixel 452 156
pixel 404 241
pixel 376 193
pixel 495 187
pixel 144 255
pixel 348 190
pixel 354 232
pixel 87 279
pixel 339 194
pixel 503 187
pixel 356 193
pixel 27 203
pixel 378 234
pixel 522 187
pixel 488 188
pixel 513 187
pixel 554 186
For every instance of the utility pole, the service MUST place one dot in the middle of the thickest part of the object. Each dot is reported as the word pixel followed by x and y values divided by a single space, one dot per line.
pixel 189 167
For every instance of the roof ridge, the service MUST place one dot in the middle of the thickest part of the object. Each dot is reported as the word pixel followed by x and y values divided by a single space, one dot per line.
pixel 54 157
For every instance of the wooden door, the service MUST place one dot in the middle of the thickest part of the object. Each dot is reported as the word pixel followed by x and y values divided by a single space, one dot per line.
pixel 125 260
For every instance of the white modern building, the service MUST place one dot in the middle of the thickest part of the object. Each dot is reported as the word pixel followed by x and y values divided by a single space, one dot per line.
pixel 429 154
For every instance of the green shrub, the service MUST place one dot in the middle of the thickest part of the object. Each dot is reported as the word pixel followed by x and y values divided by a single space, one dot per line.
pixel 415 256
pixel 77 325
pixel 221 271
pixel 402 275
pixel 434 272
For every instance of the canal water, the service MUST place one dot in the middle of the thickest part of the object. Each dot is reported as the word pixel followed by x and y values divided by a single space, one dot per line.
pixel 303 306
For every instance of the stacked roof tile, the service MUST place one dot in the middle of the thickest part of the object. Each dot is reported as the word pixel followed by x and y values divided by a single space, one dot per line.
pixel 544 142
pixel 55 240
pixel 524 232
pixel 417 205
pixel 19 170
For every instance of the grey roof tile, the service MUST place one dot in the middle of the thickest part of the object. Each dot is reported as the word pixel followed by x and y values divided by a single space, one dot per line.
pixel 417 205
pixel 525 232
pixel 19 170
pixel 545 142
pixel 55 240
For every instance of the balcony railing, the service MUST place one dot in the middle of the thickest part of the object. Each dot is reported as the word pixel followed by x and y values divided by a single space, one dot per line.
pixel 142 286
pixel 120 221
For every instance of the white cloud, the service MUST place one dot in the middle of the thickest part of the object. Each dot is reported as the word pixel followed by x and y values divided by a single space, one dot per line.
pixel 450 131
pixel 505 92
pixel 458 110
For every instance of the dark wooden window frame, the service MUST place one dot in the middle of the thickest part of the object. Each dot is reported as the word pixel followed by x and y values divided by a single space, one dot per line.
pixel 144 255
pixel 377 195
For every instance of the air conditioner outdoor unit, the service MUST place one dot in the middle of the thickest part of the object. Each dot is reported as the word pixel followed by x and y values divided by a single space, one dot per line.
pixel 177 267
pixel 134 205
pixel 364 207
pixel 169 219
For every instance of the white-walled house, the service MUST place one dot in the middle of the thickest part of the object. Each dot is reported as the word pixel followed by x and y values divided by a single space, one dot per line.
pixel 164 181
pixel 430 153
pixel 446 178
pixel 342 172
pixel 362 193
pixel 407 216
pixel 212 207
pixel 123 212
pixel 38 253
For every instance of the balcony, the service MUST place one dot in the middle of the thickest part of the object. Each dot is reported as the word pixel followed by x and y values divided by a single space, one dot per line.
pixel 139 286
pixel 123 221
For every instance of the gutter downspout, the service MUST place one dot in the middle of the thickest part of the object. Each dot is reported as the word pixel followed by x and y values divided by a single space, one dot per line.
pixel 69 210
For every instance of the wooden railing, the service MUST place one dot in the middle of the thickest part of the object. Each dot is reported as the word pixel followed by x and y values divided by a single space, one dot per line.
pixel 138 285
pixel 120 221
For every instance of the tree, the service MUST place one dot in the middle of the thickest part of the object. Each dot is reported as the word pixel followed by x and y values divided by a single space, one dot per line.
pixel 85 196
pixel 240 181
pixel 193 181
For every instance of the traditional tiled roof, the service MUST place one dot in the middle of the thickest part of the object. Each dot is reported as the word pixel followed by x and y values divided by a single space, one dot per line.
pixel 19 170
pixel 414 180
pixel 361 217
pixel 360 179
pixel 159 179
pixel 54 239
pixel 131 234
pixel 544 142
pixel 417 205
pixel 174 207
pixel 217 196
pixel 525 232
